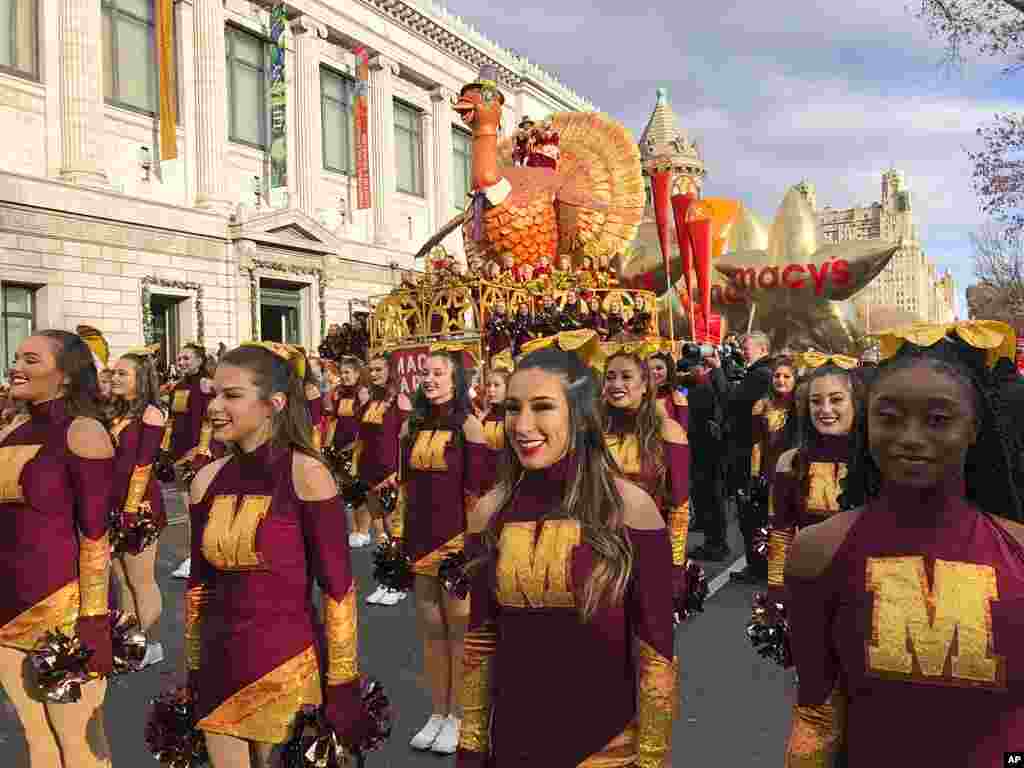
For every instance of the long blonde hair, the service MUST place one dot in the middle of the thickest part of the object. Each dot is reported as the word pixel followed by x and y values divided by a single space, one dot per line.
pixel 649 421
pixel 591 496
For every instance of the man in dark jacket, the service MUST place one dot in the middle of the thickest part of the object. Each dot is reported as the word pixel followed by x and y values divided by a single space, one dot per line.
pixel 755 384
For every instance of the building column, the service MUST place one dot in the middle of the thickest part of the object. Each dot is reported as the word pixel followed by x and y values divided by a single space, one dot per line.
pixel 81 73
pixel 427 132
pixel 442 149
pixel 382 145
pixel 211 118
pixel 184 18
pixel 308 129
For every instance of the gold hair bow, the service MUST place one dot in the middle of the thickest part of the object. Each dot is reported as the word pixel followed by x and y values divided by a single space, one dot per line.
pixel 998 339
pixel 585 344
pixel 456 347
pixel 642 349
pixel 286 352
pixel 93 338
pixel 503 361
pixel 149 351
pixel 812 359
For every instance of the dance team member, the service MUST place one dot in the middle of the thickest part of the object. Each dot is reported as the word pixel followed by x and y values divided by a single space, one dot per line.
pixel 380 423
pixel 314 399
pixel 266 521
pixel 649 449
pixel 493 417
pixel 571 598
pixel 674 402
pixel 806 486
pixel 188 433
pixel 348 399
pixel 443 468
pixel 906 610
pixel 773 422
pixel 56 463
pixel 93 337
pixel 137 430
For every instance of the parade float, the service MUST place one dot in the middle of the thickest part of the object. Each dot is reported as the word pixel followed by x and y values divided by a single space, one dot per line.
pixel 553 209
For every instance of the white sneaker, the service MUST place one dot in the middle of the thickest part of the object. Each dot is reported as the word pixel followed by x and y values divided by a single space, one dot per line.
pixel 391 597
pixel 376 597
pixel 357 540
pixel 429 733
pixel 184 570
pixel 154 654
pixel 447 741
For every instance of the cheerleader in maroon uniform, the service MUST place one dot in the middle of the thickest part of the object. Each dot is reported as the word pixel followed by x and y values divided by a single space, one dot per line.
pixel 345 402
pixel 188 433
pixel 906 608
pixel 670 399
pixel 266 521
pixel 773 421
pixel 493 418
pixel 443 468
pixel 56 463
pixel 569 657
pixel 314 399
pixel 380 423
pixel 651 450
pixel 137 429
pixel 806 484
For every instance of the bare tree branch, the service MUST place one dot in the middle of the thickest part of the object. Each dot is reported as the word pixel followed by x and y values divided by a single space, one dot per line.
pixel 998 257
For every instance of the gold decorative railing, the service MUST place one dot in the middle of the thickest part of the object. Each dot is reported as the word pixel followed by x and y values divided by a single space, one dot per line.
pixel 460 310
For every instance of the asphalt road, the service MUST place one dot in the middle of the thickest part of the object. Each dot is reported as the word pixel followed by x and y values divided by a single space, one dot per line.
pixel 734 709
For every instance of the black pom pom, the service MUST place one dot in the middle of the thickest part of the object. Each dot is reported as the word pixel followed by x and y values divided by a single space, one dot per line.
pixel 59 662
pixel 692 601
pixel 133 538
pixel 171 733
pixel 316 745
pixel 453 576
pixel 768 630
pixel 164 469
pixel 354 492
pixel 128 643
pixel 759 541
pixel 391 566
pixel 388 499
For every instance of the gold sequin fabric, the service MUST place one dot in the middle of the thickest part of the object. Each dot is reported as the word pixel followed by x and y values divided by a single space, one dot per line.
pixel 816 733
pixel 13 459
pixel 196 600
pixel 679 528
pixel 476 696
pixel 428 564
pixel 229 536
pixel 58 611
pixel 265 710
pixel 137 487
pixel 779 543
pixel 396 521
pixel 657 706
pixel 533 570
pixel 94 575
pixel 824 487
pixel 341 624
pixel 620 752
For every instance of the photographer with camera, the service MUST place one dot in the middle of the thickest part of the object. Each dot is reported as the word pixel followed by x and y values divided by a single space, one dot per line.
pixel 700 371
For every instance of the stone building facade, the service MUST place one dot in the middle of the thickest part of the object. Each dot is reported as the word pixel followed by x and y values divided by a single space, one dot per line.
pixel 96 228
pixel 910 281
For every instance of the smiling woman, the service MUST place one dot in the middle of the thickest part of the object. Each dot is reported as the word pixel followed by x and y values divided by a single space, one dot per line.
pixel 911 603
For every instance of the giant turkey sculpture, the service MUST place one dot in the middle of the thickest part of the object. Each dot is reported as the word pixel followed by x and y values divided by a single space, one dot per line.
pixel 592 200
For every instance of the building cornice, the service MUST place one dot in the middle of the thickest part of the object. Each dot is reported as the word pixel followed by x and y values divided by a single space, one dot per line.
pixel 463 41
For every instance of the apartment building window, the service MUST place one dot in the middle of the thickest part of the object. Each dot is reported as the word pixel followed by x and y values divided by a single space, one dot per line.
pixel 19 319
pixel 19 38
pixel 462 166
pixel 408 150
pixel 247 98
pixel 129 58
pixel 337 120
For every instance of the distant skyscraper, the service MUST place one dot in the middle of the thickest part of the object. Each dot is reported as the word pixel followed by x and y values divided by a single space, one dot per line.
pixel 910 281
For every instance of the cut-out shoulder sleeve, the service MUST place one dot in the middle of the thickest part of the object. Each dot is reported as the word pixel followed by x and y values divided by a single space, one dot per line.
pixel 204 477
pixel 672 431
pixel 473 430
pixel 816 545
pixel 785 462
pixel 1016 530
pixel 153 416
pixel 479 517
pixel 313 480
pixel 87 439
pixel 641 513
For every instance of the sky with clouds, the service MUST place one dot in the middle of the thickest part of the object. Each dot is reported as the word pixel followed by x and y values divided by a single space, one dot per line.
pixel 829 91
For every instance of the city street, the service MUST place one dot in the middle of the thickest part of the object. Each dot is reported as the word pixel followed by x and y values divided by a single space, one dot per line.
pixel 734 711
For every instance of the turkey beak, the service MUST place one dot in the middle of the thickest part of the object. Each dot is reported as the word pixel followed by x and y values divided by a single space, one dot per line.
pixel 465 108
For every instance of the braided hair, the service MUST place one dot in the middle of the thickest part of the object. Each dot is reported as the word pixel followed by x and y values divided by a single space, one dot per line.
pixel 989 469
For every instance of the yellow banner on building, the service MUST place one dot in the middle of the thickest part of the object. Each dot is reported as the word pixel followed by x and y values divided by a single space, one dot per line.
pixel 165 69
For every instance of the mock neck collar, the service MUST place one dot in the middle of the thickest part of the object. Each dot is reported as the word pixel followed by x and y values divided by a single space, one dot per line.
pixel 622 420
pixel 265 456
pixel 942 506
pixel 548 483
pixel 50 412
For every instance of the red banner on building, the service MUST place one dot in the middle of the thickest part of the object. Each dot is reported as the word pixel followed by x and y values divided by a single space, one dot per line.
pixel 409 366
pixel 362 115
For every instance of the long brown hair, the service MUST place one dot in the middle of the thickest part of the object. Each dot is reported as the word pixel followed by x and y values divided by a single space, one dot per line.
pixel 147 389
pixel 291 427
pixel 649 421
pixel 74 359
pixel 591 496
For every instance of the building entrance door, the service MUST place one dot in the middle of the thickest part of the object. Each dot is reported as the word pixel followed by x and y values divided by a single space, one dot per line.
pixel 280 311
pixel 164 310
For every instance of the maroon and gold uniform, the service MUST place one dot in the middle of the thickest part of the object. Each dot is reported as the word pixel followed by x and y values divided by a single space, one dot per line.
pixel 769 417
pixel 136 446
pixel 187 426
